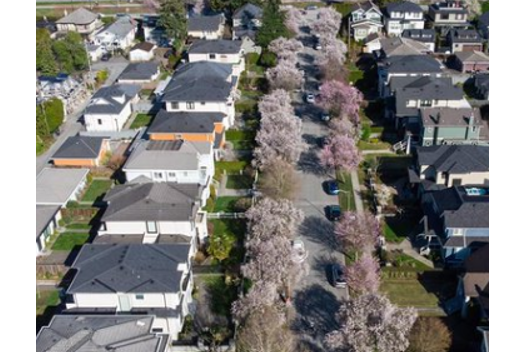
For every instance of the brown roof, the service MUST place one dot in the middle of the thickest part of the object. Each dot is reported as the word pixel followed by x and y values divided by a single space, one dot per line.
pixel 145 46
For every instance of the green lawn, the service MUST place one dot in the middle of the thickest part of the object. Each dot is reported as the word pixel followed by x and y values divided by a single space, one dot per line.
pixel 96 189
pixel 141 120
pixel 68 240
pixel 485 6
pixel 346 196
pixel 221 294
pixel 225 204
pixel 230 167
pixel 78 226
pixel 239 182
pixel 46 299
pixel 362 145
pixel 241 140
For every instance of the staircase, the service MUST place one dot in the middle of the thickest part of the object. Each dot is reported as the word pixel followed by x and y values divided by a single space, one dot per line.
pixel 400 146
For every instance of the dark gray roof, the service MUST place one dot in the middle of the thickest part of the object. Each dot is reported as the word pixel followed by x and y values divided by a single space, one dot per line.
pixel 112 99
pixel 205 23
pixel 404 6
pixel 481 80
pixel 472 56
pixel 80 16
pixel 420 35
pixel 464 36
pixel 365 6
pixel 185 122
pixel 444 7
pixel 145 46
pixel 45 213
pixel 219 46
pixel 129 268
pixel 398 46
pixel 80 147
pixel 248 11
pixel 455 158
pixel 139 71
pixel 478 261
pixel 200 81
pixel 150 201
pixel 240 32
pixel 218 140
pixel 484 19
pixel 412 64
pixel 82 333
pixel 450 117
pixel 121 27
pixel 466 241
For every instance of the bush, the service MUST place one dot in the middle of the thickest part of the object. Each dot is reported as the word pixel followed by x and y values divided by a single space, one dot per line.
pixel 242 205
pixel 365 132
pixel 252 58
pixel 268 59
pixel 101 77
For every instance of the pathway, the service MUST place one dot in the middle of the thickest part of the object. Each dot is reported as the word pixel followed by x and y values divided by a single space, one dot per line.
pixel 356 190
pixel 406 247
pixel 223 191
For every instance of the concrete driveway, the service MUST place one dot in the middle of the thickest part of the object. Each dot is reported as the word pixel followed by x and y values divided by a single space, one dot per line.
pixel 115 66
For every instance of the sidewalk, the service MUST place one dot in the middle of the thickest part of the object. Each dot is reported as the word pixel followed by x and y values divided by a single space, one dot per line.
pixel 406 247
pixel 356 190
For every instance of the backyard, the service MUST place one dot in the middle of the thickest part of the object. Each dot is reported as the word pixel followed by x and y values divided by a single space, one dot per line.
pixel 239 182
pixel 141 120
pixel 96 190
pixel 70 240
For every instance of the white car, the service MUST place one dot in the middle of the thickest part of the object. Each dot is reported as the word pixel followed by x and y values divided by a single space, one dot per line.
pixel 317 46
pixel 310 98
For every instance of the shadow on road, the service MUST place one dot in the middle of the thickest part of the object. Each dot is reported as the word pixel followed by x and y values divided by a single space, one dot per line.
pixel 309 163
pixel 319 230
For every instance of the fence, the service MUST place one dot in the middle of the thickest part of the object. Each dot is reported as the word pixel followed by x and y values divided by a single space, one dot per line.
pixel 146 107
pixel 119 135
pixel 225 215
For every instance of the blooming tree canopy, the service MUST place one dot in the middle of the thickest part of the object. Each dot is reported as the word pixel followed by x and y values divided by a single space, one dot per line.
pixel 341 100
pixel 341 152
pixel 363 276
pixel 358 231
pixel 286 49
pixel 294 20
pixel 328 23
pixel 285 75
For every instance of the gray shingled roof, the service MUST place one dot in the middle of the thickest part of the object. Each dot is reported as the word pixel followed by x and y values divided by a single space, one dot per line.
pixel 219 46
pixel 121 27
pixel 412 64
pixel 167 155
pixel 450 116
pixel 149 201
pixel 398 46
pixel 80 147
pixel 249 11
pixel 443 7
pixel 365 6
pixel 420 35
pixel 56 186
pixel 472 56
pixel 139 71
pixel 144 46
pixel 83 333
pixel 464 36
pixel 185 122
pixel 404 6
pixel 112 98
pixel 205 23
pixel 484 19
pixel 200 81
pixel 455 158
pixel 80 16
pixel 45 213
pixel 129 268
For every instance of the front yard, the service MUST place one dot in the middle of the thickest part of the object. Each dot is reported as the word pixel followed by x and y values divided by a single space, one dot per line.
pixel 346 195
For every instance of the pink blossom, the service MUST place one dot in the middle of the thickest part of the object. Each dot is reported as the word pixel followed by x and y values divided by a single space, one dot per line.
pixel 341 152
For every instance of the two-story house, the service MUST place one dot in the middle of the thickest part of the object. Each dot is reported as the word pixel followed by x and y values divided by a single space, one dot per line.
pixel 144 279
pixel 146 211
pixel 100 333
pixel 117 35
pixel 246 20
pixel 81 21
pixel 409 94
pixel 459 217
pixel 464 40
pixel 206 27
pixel 365 18
pixel 444 166
pixel 452 126
pixel 110 107
pixel 190 126
pixel 202 86
pixel 400 16
pixel 177 161
pixel 220 51
pixel 448 14
pixel 424 36
pixel 398 46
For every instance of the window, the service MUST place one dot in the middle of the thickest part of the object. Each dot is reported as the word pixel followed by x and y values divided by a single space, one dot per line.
pixel 212 56
pixel 445 16
pixel 155 330
pixel 203 103
pixel 103 226
pixel 425 103
pixel 158 175
pixel 174 106
pixel 171 174
pixel 139 297
pixel 457 182
pixel 190 105
pixel 151 226
pixel 100 122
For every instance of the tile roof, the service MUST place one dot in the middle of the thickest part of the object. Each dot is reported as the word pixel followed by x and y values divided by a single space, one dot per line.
pixel 144 46
pixel 474 56
pixel 248 11
pixel 139 71
pixel 56 186
pixel 129 268
pixel 45 213
pixel 80 147
pixel 219 46
pixel 185 122
pixel 83 333
pixel 200 81
pixel 80 16
pixel 412 64
pixel 111 99
pixel 455 158
pixel 205 23
pixel 149 201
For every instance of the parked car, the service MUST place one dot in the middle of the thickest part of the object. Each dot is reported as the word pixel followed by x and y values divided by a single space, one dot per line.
pixel 333 212
pixel 106 57
pixel 331 187
pixel 338 276
pixel 317 46
pixel 299 253
pixel 311 7
pixel 310 98
pixel 325 116
pixel 322 141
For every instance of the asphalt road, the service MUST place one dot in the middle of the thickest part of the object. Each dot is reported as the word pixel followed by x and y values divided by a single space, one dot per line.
pixel 315 300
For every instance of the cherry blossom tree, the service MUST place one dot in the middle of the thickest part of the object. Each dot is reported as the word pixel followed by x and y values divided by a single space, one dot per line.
pixel 279 181
pixel 371 323
pixel 363 276
pixel 285 75
pixel 328 23
pixel 340 153
pixel 358 231
pixel 261 295
pixel 286 49
pixel 341 100
pixel 341 126
pixel 294 20
pixel 277 101
pixel 154 4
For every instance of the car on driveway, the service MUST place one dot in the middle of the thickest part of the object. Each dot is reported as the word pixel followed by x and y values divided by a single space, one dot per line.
pixel 338 276
pixel 331 187
pixel 106 57
pixel 333 212
pixel 310 98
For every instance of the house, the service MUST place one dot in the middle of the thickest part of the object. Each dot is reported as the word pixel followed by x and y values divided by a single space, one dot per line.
pixel 81 151
pixel 399 16
pixel 448 14
pixel 483 25
pixel 81 21
pixel 153 33
pixel 145 210
pixel 190 126
pixel 140 73
pixel 471 61
pixel 464 40
pixel 397 46
pixel 172 161
pixel 95 52
pixel 110 107
pixel 102 333
pixel 144 51
pixel 118 35
pixel 424 36
pixel 365 18
pixel 206 27
pixel 405 66
pixel 47 221
pixel 409 94
pixel 443 166
pixel 246 20
pixel 63 86
pixel 221 51
pixel 459 218
pixel 473 283
pixel 202 87
pixel 452 126
pixel 481 85
pixel 372 43
pixel 144 279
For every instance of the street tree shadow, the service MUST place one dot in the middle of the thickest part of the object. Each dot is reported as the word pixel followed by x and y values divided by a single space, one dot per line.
pixel 309 163
pixel 319 230
pixel 324 264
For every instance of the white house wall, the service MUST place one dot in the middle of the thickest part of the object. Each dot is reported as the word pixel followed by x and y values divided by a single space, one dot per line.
pixel 209 35
pixel 172 228
pixel 225 107
pixel 140 55
pixel 110 122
